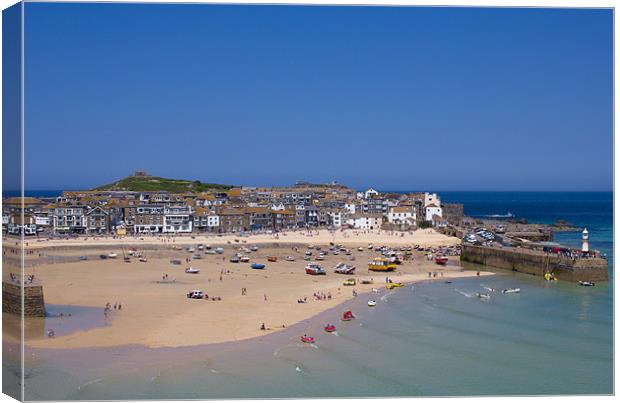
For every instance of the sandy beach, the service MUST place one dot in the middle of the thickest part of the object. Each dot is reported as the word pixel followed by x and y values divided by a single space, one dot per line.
pixel 157 313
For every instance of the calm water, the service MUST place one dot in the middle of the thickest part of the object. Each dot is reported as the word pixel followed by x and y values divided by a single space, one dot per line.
pixel 434 339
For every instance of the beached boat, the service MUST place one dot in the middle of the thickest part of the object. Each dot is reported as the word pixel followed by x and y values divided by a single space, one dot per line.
pixel 175 261
pixel 195 294
pixel 381 264
pixel 372 302
pixel 349 282
pixel 307 339
pixel 219 251
pixel 210 252
pixel 289 259
pixel 112 255
pixel 329 328
pixel 244 259
pixel 142 259
pixel 257 266
pixel 272 258
pixel 207 246
pixel 314 269
pixel 390 286
pixel 197 256
pixel 441 260
pixel 320 257
pixel 253 248
pixel 511 290
pixel 191 250
pixel 360 249
pixel 192 270
pixel 343 268
pixel 347 316
pixel 234 259
pixel 370 246
pixel 200 246
pixel 367 281
pixel 308 252
pixel 586 283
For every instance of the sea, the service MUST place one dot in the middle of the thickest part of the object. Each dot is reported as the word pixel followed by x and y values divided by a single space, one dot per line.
pixel 428 339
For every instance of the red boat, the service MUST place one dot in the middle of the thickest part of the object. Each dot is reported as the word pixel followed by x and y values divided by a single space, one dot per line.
pixel 307 339
pixel 442 260
pixel 330 328
pixel 348 315
pixel 272 258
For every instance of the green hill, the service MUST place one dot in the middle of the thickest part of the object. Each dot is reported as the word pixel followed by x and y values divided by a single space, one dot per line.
pixel 147 183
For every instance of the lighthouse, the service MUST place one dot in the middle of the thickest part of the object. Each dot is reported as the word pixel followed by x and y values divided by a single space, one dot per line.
pixel 585 247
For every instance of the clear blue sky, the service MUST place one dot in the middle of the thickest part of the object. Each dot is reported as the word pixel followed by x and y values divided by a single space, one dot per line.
pixel 396 98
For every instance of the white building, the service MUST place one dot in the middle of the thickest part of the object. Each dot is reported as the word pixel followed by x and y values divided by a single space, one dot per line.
pixel 350 207
pixel 431 198
pixel 336 218
pixel 370 193
pixel 402 215
pixel 432 210
pixel 213 221
pixel 365 221
pixel 178 219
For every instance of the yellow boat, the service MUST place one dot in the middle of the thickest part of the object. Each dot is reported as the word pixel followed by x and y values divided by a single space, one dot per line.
pixel 389 286
pixel 381 264
pixel 350 281
pixel 550 277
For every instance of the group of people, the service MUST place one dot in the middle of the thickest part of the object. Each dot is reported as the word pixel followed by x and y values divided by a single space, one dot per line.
pixel 320 296
pixel 108 308
pixel 29 278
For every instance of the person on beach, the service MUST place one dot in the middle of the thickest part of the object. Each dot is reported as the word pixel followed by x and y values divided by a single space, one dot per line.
pixel 262 326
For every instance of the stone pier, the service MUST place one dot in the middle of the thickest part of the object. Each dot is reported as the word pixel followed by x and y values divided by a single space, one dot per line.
pixel 34 303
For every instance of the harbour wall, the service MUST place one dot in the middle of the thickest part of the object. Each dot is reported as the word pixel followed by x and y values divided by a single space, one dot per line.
pixel 537 263
pixel 34 303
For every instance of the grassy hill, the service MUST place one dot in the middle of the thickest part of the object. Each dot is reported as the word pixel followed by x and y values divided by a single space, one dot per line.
pixel 153 183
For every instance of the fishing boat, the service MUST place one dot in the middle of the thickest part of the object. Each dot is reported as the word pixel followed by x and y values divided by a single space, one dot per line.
pixel 142 259
pixel 320 257
pixel 586 283
pixel 381 264
pixel 372 302
pixel 257 266
pixel 272 258
pixel 511 290
pixel 200 246
pixel 289 259
pixel 254 248
pixel 112 255
pixel 343 268
pixel 234 259
pixel 314 269
pixel 191 250
pixel 330 328
pixel 441 260
pixel 347 316
pixel 244 259
pixel 390 286
pixel 219 251
pixel 483 295
pixel 307 339
pixel 192 270
pixel 360 249
pixel 308 252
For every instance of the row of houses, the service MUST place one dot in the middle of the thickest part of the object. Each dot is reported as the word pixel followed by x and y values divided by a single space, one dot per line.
pixel 237 210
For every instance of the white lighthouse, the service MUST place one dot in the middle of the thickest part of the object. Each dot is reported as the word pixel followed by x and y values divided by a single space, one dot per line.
pixel 585 247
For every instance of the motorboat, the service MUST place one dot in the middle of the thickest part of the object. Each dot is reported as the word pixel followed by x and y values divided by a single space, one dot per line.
pixel 253 248
pixel 381 264
pixel 219 251
pixel 210 252
pixel 314 269
pixel 272 258
pixel 360 249
pixel 308 252
pixel 391 286
pixel 550 277
pixel 244 259
pixel 192 270
pixel 347 316
pixel 175 261
pixel 320 257
pixel 195 294
pixel 441 260
pixel 349 282
pixel 586 283
pixel 366 281
pixel 483 295
pixel 511 290
pixel 112 255
pixel 234 259
pixel 372 302
pixel 329 328
pixel 142 259
pixel 343 268
pixel 289 259
pixel 307 339
pixel 200 246
pixel 197 256
pixel 191 250
pixel 257 266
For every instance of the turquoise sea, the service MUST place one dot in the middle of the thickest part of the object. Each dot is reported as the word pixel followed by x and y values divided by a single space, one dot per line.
pixel 432 339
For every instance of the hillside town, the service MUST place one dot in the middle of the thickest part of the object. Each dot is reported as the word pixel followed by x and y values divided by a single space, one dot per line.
pixel 237 210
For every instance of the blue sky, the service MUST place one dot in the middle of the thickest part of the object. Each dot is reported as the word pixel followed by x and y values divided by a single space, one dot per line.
pixel 398 98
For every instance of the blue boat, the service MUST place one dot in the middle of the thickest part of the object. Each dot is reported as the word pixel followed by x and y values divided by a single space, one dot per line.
pixel 257 266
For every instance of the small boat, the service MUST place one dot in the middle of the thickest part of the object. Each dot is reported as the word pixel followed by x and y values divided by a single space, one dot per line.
pixel 200 246
pixel 550 277
pixel 272 258
pixel 441 260
pixel 349 282
pixel 289 259
pixel 112 255
pixel 307 339
pixel 360 249
pixel 483 295
pixel 367 281
pixel 314 269
pixel 320 257
pixel 586 283
pixel 257 266
pixel 83 258
pixel 308 252
pixel 219 251
pixel 244 259
pixel 210 252
pixel 175 261
pixel 192 270
pixel 207 246
pixel 390 286
pixel 127 259
pixel 511 290
pixel 347 316
pixel 372 302
pixel 234 259
pixel 254 248
pixel 142 259
pixel 197 256
pixel 343 268
pixel 370 246
pixel 330 328
pixel 191 250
